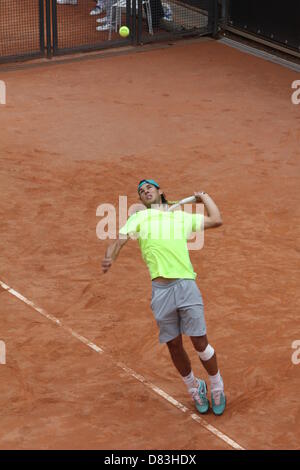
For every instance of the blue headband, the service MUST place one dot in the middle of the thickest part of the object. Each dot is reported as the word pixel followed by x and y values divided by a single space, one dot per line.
pixel 147 181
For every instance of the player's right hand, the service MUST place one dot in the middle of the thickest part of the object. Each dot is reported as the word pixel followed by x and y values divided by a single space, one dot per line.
pixel 106 264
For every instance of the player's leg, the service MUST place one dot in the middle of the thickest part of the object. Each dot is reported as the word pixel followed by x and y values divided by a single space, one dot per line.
pixel 168 321
pixel 200 343
pixel 179 356
pixel 208 358
pixel 196 388
pixel 192 323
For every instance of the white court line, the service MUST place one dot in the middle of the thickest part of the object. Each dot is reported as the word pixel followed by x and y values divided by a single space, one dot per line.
pixel 126 369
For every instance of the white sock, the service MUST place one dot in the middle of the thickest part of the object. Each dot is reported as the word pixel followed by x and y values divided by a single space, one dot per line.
pixel 190 380
pixel 216 381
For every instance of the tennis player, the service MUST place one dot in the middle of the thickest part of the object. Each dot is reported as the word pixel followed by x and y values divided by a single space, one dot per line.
pixel 176 300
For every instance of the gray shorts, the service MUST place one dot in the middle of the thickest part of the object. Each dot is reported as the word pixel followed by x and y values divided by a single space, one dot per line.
pixel 178 309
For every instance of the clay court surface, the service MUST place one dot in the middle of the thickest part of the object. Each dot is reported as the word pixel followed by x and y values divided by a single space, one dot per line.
pixel 74 135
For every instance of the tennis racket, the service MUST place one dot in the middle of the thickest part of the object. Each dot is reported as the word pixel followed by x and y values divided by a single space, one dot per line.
pixel 186 200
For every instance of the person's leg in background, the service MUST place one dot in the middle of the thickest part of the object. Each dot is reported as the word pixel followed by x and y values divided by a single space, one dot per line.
pixel 105 21
pixel 99 7
pixel 66 2
pixel 157 12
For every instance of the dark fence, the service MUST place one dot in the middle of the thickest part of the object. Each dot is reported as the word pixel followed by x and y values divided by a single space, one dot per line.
pixel 21 29
pixel 87 24
pixel 277 22
pixel 161 19
pixel 30 28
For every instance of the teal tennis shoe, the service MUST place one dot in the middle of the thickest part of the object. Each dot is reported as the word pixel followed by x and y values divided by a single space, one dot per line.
pixel 199 397
pixel 218 401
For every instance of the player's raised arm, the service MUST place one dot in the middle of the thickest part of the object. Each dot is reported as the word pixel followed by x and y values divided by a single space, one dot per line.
pixel 112 253
pixel 213 217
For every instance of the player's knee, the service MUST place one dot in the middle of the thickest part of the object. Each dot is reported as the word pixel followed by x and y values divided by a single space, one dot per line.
pixel 175 344
pixel 200 342
pixel 207 354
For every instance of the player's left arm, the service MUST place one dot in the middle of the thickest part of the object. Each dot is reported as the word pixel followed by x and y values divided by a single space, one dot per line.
pixel 213 218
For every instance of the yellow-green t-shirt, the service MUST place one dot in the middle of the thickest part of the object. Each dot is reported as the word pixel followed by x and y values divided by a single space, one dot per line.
pixel 162 237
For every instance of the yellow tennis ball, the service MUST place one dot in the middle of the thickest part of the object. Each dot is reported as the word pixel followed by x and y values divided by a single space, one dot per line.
pixel 124 31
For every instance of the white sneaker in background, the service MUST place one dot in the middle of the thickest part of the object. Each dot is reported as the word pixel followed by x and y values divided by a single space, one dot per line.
pixel 98 8
pixel 66 2
pixel 104 27
pixel 102 20
pixel 167 11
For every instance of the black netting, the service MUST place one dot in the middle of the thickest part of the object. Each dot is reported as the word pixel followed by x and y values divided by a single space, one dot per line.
pixel 162 17
pixel 95 23
pixel 21 27
pixel 33 27
pixel 90 23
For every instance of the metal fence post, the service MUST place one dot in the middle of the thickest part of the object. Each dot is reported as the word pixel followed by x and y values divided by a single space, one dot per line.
pixel 224 10
pixel 139 22
pixel 215 24
pixel 48 29
pixel 133 22
pixel 54 27
pixel 42 26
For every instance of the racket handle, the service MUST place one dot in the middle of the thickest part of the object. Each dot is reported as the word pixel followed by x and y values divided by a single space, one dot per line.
pixel 186 200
